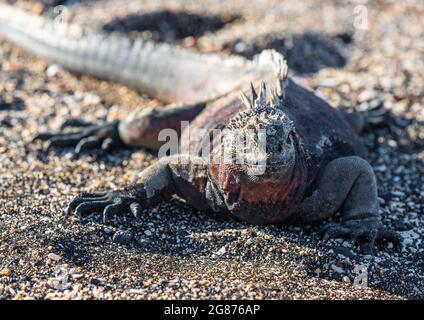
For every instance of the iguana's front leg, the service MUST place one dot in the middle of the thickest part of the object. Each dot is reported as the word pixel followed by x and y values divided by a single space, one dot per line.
pixel 140 128
pixel 180 175
pixel 347 185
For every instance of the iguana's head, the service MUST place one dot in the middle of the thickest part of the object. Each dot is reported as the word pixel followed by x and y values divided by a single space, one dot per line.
pixel 261 135
pixel 258 153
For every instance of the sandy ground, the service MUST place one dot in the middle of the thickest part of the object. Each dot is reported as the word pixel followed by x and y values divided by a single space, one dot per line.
pixel 176 252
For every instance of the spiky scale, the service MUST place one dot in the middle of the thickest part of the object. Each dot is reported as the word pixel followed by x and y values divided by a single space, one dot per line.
pixel 261 100
pixel 245 100
pixel 253 92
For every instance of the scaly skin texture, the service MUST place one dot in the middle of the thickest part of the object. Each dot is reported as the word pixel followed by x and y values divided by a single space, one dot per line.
pixel 312 165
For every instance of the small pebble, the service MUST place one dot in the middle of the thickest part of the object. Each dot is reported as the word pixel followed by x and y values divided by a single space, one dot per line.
pixel 344 251
pixel 122 237
pixel 52 70
pixel 5 272
pixel 54 256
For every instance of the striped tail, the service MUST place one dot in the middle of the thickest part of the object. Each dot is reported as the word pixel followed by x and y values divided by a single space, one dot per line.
pixel 159 70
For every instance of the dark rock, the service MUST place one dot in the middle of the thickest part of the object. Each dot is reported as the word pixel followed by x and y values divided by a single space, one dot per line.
pixel 122 237
pixel 344 252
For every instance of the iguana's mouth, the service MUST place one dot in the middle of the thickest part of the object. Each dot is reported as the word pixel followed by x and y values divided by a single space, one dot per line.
pixel 273 163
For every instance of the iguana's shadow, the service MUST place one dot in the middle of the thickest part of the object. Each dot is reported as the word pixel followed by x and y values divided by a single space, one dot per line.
pixel 306 53
pixel 169 26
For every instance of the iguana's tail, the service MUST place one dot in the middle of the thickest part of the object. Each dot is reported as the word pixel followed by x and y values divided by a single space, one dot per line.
pixel 158 70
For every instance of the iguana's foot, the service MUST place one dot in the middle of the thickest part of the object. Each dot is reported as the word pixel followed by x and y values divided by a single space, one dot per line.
pixel 88 137
pixel 376 117
pixel 379 116
pixel 365 233
pixel 110 204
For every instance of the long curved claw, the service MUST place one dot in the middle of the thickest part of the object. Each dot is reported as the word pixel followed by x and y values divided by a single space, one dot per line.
pixel 88 137
pixel 88 143
pixel 366 239
pixel 109 144
pixel 75 123
pixel 385 235
pixel 63 141
pixel 109 204
pixel 136 210
pixel 93 194
pixel 112 210
pixel 334 231
pixel 84 197
pixel 44 136
pixel 86 208
pixel 366 236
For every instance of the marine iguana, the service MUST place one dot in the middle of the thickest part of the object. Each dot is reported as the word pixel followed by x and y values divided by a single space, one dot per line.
pixel 312 159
